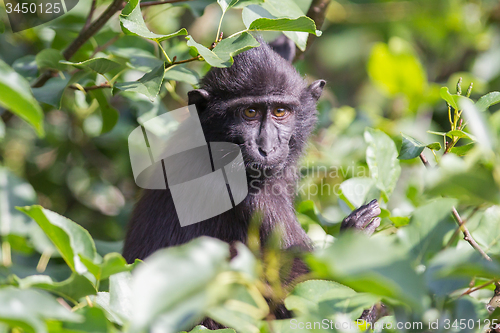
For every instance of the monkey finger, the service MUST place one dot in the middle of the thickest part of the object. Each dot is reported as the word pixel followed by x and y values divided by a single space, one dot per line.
pixel 370 229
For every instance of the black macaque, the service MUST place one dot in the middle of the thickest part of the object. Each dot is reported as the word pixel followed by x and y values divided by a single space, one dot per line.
pixel 262 104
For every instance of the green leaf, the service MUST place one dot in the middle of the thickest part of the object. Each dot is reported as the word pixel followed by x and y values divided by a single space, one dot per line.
pixel 190 270
pixel 113 263
pixel 52 91
pixel 428 225
pixel 210 57
pixel 399 221
pixel 49 59
pixel 487 235
pixel 460 134
pixel 95 322
pixel 327 298
pixel 434 146
pixel 477 125
pixel 109 114
pixel 462 150
pixel 274 9
pixel 132 23
pixel 70 239
pixel 73 288
pixel 376 265
pixel 410 148
pixel 382 160
pixel 246 316
pixel 449 98
pixel 488 100
pixel 16 96
pixel 99 65
pixel 182 74
pixel 117 303
pixel 30 309
pixel 14 191
pixel 303 23
pixel 148 85
pixel 474 186
pixel 229 47
pixel 356 190
pixel 225 4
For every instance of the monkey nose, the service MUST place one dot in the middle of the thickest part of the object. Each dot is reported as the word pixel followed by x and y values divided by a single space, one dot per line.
pixel 264 152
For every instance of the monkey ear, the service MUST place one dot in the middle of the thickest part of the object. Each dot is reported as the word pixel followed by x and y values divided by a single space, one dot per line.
pixel 285 47
pixel 198 97
pixel 316 88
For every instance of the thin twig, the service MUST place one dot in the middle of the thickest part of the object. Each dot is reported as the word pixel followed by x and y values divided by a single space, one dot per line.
pixel 91 13
pixel 465 231
pixel 471 290
pixel 424 160
pixel 105 45
pixel 468 236
pixel 455 234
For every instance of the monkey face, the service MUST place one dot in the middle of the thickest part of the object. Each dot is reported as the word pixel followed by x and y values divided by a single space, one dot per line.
pixel 263 132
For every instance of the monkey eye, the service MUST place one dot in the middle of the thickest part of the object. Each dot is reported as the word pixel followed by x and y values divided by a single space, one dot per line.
pixel 280 112
pixel 250 113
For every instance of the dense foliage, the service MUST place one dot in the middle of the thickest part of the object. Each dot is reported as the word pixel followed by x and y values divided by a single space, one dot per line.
pixel 393 125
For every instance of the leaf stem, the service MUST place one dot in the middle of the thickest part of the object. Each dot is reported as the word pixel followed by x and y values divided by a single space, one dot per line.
pixel 164 53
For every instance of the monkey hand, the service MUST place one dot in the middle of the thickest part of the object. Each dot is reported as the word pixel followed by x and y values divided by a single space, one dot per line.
pixel 364 218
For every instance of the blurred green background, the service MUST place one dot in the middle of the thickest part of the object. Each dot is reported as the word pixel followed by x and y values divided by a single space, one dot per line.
pixel 384 62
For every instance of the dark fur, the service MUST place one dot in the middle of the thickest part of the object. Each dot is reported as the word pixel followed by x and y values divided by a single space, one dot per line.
pixel 263 78
pixel 257 72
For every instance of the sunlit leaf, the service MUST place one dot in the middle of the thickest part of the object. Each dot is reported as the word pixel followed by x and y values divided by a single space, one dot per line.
pixel 460 134
pixel 16 96
pixel 373 265
pixel 70 239
pixel 112 263
pixel 488 100
pixel 327 298
pixel 133 23
pixel 303 23
pixel 462 150
pixel 189 269
pixel 30 309
pixel 434 146
pixel 445 94
pixel 382 159
pixel 73 288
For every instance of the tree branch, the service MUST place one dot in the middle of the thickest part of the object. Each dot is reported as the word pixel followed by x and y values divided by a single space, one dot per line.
pixel 153 3
pixel 91 13
pixel 83 37
pixel 461 223
pixel 316 12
